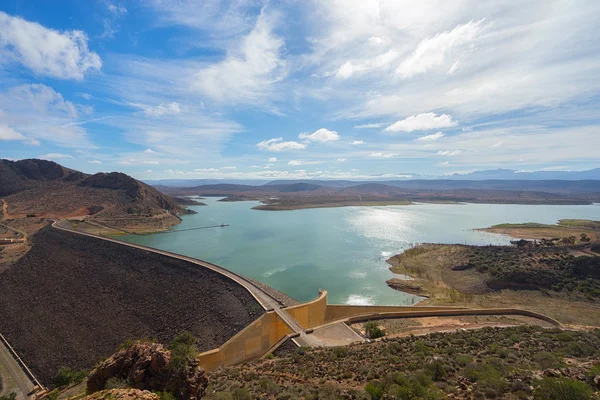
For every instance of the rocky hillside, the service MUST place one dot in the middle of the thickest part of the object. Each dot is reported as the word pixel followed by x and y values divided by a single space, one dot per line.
pixel 523 362
pixel 45 189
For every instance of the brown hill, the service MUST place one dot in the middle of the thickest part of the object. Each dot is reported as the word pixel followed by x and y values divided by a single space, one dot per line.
pixel 45 189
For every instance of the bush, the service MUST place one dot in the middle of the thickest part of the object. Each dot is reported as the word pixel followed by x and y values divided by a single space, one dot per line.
pixel 10 396
pixel 562 389
pixel 547 360
pixel 375 389
pixel 116 383
pixel 183 350
pixel 165 396
pixel 63 377
pixel 241 394
pixel 372 330
pixel 436 370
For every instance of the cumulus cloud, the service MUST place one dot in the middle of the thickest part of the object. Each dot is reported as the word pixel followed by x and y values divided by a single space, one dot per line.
pixel 55 156
pixel 272 159
pixel 149 151
pixel 8 133
pixel 95 162
pixel 322 135
pixel 39 112
pixel 163 109
pixel 422 122
pixel 46 52
pixel 448 152
pixel 370 126
pixel 435 51
pixel 357 142
pixel 431 138
pixel 277 144
pixel 382 155
pixel 295 162
pixel 249 69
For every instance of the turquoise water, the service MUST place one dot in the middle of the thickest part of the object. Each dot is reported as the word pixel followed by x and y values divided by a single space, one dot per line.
pixel 342 250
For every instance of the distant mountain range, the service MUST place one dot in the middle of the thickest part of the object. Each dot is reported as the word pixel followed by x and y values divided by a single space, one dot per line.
pixel 495 174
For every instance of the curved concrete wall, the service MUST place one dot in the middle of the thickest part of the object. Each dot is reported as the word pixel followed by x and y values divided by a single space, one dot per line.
pixel 310 314
pixel 340 311
pixel 250 343
pixel 452 313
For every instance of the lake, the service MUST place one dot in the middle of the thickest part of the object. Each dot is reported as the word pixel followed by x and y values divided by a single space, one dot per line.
pixel 342 249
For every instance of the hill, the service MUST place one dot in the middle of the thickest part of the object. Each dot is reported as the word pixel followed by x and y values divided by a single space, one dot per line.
pixel 44 189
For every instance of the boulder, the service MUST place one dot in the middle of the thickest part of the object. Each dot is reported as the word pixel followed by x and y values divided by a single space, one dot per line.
pixel 145 366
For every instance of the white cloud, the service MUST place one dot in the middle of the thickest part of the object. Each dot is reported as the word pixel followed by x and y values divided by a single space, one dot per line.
pixel 448 152
pixel 55 156
pixel 431 138
pixel 250 69
pixel 295 162
pixel 370 126
pixel 421 122
pixel 8 133
pixel 149 151
pixel 46 52
pixel 382 155
pixel 163 109
pixel 40 113
pixel 230 168
pixel 95 162
pixel 272 159
pixel 434 51
pixel 207 170
pixel 357 142
pixel 322 135
pixel 341 159
pixel 277 144
pixel 148 171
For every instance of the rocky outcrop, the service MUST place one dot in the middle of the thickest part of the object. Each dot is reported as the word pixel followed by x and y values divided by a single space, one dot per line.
pixel 145 366
pixel 123 394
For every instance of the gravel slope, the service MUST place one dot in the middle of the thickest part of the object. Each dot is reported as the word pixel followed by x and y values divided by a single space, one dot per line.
pixel 73 299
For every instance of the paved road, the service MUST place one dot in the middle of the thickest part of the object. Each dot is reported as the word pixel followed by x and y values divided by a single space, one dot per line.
pixel 266 300
pixel 13 376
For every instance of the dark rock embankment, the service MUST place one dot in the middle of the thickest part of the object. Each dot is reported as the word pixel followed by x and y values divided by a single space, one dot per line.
pixel 72 300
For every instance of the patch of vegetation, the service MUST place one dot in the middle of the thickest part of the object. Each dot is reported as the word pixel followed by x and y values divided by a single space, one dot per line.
pixel 562 389
pixel 183 350
pixel 478 364
pixel 10 396
pixel 65 376
pixel 373 330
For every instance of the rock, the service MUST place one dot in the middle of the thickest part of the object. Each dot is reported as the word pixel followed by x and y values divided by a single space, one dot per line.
pixel 146 367
pixel 552 373
pixel 596 381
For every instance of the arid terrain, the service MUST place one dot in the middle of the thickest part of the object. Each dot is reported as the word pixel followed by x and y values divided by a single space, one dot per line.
pixel 33 189
pixel 507 363
pixel 290 195
pixel 557 277
pixel 72 300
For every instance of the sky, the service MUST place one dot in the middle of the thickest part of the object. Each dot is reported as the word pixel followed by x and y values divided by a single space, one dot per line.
pixel 320 89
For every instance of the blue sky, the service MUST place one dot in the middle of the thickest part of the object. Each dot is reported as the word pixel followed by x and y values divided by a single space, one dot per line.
pixel 351 89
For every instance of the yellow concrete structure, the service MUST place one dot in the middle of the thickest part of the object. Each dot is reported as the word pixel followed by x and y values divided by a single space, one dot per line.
pixel 249 344
pixel 310 314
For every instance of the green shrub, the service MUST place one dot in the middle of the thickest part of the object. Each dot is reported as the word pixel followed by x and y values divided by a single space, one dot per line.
pixel 375 389
pixel 562 389
pixel 165 396
pixel 372 330
pixel 63 377
pixel 436 370
pixel 10 396
pixel 340 352
pixel 547 360
pixel 116 383
pixel 183 350
pixel 241 394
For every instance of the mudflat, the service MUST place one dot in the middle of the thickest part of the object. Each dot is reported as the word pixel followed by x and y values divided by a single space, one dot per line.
pixel 72 300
